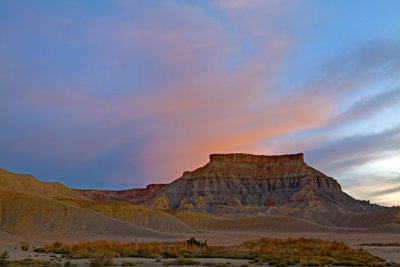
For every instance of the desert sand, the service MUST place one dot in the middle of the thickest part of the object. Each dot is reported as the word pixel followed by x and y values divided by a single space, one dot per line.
pixel 11 244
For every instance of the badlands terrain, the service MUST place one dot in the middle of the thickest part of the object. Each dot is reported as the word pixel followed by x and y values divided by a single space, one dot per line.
pixel 233 198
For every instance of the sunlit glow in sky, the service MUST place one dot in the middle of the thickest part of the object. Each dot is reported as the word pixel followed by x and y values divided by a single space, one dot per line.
pixel 119 94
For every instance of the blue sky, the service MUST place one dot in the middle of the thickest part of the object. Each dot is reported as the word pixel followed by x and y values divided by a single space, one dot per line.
pixel 119 94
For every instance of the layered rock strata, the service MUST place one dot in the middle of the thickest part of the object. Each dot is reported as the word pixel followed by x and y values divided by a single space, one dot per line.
pixel 237 180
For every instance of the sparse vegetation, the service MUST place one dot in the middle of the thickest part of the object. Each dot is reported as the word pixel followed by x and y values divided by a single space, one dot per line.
pixel 277 252
pixel 183 261
pixel 26 262
pixel 101 258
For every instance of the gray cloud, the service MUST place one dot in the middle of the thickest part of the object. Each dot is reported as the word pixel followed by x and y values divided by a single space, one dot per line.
pixel 356 150
pixel 385 192
pixel 360 65
pixel 367 107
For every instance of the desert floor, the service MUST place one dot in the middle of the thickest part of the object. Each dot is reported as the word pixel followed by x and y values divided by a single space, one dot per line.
pixel 391 254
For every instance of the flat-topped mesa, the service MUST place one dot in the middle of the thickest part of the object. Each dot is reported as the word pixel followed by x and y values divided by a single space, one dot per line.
pixel 249 158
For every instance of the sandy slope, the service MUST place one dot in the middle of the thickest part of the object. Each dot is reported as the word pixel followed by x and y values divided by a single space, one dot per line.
pixel 27 215
pixel 23 183
pixel 152 218
pixel 250 224
pixel 29 207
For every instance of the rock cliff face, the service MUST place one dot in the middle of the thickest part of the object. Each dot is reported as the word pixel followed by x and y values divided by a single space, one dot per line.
pixel 243 185
pixel 231 183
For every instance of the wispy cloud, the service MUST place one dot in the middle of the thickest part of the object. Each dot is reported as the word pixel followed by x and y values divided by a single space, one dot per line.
pixel 355 150
pixel 394 189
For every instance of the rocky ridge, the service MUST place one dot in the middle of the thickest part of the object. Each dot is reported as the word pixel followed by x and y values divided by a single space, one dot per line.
pixel 134 196
pixel 241 185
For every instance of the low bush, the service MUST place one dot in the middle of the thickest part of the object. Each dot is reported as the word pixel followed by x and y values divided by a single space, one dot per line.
pixel 101 258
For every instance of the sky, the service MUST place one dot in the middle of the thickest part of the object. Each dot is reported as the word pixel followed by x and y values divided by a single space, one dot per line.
pixel 121 94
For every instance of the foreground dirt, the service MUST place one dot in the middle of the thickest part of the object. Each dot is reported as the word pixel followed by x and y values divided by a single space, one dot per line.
pixel 391 254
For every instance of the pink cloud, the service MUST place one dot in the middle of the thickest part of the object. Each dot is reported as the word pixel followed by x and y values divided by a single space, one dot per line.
pixel 205 107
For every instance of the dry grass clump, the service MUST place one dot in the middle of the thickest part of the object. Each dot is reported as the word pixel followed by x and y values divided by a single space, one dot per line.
pixel 277 252
pixel 101 258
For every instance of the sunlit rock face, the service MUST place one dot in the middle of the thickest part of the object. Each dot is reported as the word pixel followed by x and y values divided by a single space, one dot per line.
pixel 243 180
pixel 243 185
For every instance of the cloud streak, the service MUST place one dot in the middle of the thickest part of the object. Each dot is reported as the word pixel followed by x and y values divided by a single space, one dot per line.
pixel 395 189
pixel 355 150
